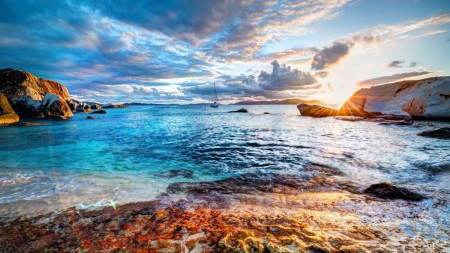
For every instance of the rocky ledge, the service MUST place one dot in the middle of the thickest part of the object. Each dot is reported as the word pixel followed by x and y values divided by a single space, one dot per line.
pixel 421 99
pixel 316 212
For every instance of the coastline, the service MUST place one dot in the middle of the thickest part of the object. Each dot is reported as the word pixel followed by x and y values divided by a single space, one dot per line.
pixel 321 211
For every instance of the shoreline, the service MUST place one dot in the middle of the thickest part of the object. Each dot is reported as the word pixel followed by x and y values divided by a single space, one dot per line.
pixel 321 211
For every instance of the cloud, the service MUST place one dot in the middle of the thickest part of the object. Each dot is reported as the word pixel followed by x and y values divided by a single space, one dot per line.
pixel 391 78
pixel 322 74
pixel 432 33
pixel 395 64
pixel 283 82
pixel 413 64
pixel 330 55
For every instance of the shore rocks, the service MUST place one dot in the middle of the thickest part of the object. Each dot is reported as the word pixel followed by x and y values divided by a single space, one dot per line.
pixel 96 107
pixel 422 99
pixel 116 106
pixel 7 114
pixel 17 84
pixel 389 191
pixel 83 107
pixel 51 105
pixel 442 133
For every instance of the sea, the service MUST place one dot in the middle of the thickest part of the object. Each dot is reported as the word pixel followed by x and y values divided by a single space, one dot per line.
pixel 131 155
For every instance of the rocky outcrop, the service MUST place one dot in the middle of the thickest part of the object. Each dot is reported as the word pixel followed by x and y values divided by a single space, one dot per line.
pixel 83 107
pixel 7 114
pixel 426 98
pixel 17 84
pixel 242 110
pixel 96 107
pixel 99 112
pixel 51 105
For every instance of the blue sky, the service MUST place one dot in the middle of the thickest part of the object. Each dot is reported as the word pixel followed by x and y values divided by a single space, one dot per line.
pixel 173 51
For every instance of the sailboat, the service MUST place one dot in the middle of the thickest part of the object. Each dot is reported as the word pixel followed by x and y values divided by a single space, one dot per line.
pixel 216 102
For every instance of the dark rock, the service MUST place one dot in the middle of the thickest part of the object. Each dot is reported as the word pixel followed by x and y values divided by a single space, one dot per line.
pixel 99 112
pixel 442 133
pixel 266 113
pixel 389 191
pixel 96 107
pixel 116 106
pixel 73 105
pixel 242 110
pixel 90 117
pixel 177 173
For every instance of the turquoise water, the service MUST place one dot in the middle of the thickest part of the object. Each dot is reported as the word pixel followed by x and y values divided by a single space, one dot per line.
pixel 126 154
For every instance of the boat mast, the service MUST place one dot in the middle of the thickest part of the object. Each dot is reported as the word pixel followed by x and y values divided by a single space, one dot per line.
pixel 215 93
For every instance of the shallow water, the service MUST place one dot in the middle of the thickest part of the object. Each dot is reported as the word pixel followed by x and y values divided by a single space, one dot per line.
pixel 125 155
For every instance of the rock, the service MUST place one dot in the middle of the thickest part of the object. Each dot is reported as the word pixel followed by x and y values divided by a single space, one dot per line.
pixel 266 113
pixel 90 117
pixel 242 110
pixel 96 107
pixel 423 99
pixel 426 98
pixel 17 84
pixel 51 105
pixel 116 106
pixel 442 133
pixel 316 110
pixel 73 106
pixel 389 191
pixel 177 173
pixel 83 107
pixel 99 112
pixel 7 114
pixel 351 118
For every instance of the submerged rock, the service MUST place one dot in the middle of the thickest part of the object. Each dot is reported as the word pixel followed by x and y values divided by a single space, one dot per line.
pixel 7 114
pixel 389 191
pixel 442 133
pixel 241 110
pixel 27 124
pixel 99 112
pixel 177 173
pixel 90 117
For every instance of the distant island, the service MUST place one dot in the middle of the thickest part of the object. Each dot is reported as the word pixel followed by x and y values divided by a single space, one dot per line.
pixel 289 101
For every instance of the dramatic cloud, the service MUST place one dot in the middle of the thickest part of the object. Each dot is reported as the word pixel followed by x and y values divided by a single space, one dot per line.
pixel 330 55
pixel 281 83
pixel 391 78
pixel 395 64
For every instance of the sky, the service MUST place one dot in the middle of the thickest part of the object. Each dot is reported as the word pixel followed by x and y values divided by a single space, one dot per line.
pixel 174 51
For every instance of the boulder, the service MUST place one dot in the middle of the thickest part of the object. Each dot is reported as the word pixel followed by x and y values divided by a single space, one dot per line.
pixel 316 110
pixel 99 112
pixel 426 98
pixel 389 191
pixel 83 107
pixel 442 133
pixel 242 110
pixel 51 105
pixel 15 84
pixel 90 117
pixel 73 105
pixel 96 107
pixel 7 114
pixel 423 99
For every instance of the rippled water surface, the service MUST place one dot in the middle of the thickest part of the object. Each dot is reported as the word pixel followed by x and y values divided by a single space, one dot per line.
pixel 134 154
